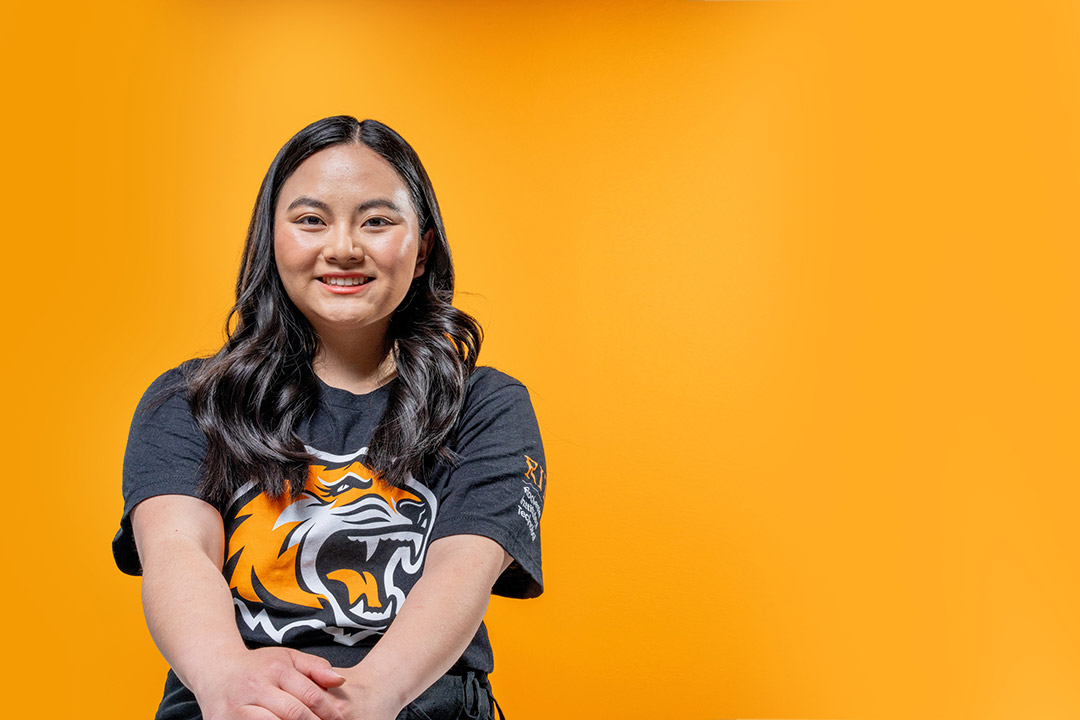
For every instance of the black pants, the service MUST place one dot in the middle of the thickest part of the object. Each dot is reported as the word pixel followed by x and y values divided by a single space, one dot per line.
pixel 458 695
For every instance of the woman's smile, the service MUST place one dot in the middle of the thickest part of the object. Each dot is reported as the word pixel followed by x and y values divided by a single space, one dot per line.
pixel 345 283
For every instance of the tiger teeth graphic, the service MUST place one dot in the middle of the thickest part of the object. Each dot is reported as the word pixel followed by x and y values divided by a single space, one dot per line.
pixel 370 543
pixel 371 614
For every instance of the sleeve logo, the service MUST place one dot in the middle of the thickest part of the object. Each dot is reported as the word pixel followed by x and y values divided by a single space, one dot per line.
pixel 535 472
pixel 531 504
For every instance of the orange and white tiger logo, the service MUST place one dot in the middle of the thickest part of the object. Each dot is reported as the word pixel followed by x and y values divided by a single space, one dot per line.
pixel 338 558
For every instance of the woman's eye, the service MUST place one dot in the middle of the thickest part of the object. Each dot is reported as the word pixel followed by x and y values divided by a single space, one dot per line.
pixel 376 222
pixel 309 220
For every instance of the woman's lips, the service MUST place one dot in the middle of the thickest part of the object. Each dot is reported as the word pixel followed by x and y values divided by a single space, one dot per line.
pixel 344 285
pixel 344 281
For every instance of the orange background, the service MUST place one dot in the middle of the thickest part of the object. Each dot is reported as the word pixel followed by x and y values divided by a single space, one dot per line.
pixel 792 284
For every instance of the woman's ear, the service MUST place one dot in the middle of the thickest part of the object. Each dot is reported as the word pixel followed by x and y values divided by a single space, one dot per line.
pixel 422 253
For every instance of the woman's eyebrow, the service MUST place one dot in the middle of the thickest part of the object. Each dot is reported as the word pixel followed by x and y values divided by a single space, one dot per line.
pixel 378 202
pixel 308 201
pixel 304 200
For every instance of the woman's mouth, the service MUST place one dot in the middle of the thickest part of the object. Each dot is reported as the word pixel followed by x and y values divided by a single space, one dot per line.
pixel 345 281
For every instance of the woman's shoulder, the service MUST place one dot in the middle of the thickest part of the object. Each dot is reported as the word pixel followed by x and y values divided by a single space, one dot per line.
pixel 486 380
pixel 169 384
pixel 492 393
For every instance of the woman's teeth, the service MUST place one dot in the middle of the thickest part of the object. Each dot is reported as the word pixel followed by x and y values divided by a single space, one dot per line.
pixel 345 282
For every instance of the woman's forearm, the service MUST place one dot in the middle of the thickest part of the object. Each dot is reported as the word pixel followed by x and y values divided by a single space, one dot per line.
pixel 436 623
pixel 189 611
pixel 186 600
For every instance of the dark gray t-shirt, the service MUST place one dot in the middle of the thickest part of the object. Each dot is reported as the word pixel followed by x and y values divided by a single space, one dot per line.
pixel 327 571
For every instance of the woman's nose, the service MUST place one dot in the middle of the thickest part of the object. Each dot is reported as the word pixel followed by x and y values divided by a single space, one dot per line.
pixel 342 247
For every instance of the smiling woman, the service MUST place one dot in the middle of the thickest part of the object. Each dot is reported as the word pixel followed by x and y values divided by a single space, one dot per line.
pixel 321 510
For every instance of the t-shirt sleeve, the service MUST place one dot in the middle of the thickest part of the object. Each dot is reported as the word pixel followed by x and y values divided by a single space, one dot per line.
pixel 164 456
pixel 497 489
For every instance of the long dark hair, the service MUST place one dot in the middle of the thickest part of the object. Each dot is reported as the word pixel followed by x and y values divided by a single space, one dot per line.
pixel 250 397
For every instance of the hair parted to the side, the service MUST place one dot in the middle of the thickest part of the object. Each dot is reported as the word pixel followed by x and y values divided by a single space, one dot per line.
pixel 250 397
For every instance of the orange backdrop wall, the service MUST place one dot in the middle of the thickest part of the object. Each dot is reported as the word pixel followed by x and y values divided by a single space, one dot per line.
pixel 793 285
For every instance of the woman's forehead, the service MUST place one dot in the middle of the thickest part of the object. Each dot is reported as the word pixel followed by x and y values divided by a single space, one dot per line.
pixel 345 173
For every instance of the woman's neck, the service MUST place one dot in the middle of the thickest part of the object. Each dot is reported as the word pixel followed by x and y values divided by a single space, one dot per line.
pixel 358 367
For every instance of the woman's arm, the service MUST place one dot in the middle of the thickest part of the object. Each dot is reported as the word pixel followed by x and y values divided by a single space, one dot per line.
pixel 189 611
pixel 434 626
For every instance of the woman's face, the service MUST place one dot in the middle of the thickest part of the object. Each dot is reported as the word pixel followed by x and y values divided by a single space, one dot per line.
pixel 347 242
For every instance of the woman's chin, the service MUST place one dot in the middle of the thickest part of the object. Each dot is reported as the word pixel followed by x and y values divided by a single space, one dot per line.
pixel 347 326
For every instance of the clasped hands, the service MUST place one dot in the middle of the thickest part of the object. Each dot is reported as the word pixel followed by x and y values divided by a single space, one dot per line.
pixel 277 683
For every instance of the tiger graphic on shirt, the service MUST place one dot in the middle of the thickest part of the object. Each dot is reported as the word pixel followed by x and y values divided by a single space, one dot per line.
pixel 338 559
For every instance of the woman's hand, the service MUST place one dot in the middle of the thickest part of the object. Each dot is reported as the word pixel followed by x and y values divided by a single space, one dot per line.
pixel 361 699
pixel 269 684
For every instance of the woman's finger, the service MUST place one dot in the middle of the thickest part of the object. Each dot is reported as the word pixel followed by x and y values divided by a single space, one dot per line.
pixel 312 696
pixel 316 668
pixel 286 706
pixel 253 712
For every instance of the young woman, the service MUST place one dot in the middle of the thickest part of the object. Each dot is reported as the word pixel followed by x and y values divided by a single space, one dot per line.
pixel 321 510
